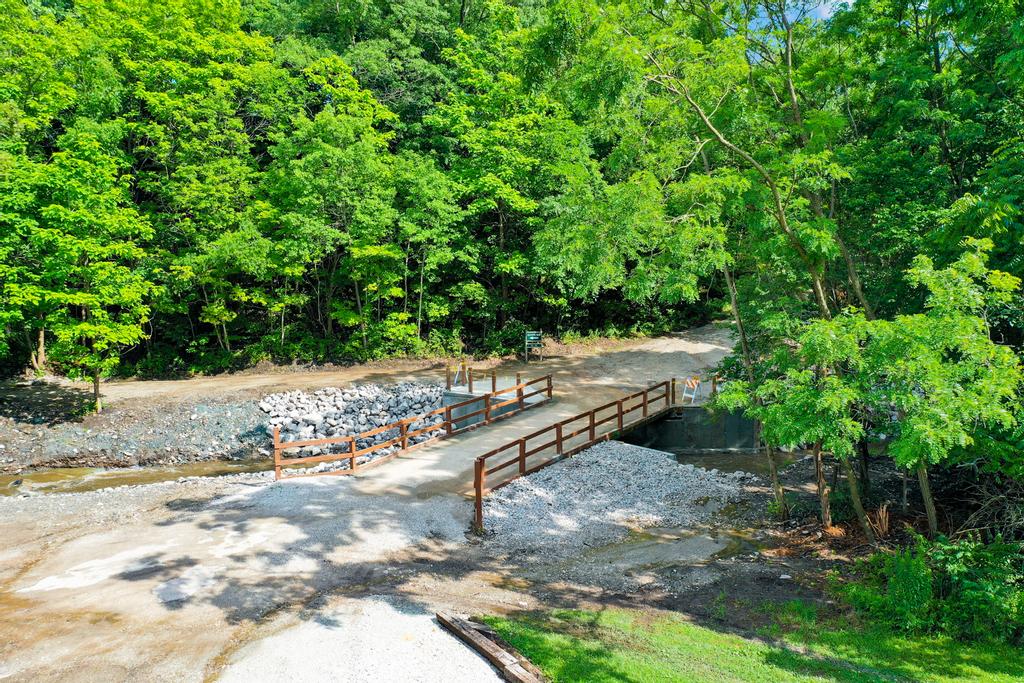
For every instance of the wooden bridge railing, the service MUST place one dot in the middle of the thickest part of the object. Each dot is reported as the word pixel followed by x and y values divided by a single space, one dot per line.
pixel 451 424
pixel 568 437
pixel 461 374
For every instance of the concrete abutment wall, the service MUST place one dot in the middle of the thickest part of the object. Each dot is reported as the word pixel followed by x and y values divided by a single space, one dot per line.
pixel 696 429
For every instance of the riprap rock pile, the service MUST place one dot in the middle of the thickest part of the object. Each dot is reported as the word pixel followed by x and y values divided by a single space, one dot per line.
pixel 332 412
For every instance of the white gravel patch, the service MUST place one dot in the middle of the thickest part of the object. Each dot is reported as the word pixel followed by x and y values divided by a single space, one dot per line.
pixel 374 639
pixel 597 496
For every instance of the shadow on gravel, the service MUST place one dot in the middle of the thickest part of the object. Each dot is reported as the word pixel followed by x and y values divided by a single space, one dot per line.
pixel 294 546
pixel 43 402
pixel 290 544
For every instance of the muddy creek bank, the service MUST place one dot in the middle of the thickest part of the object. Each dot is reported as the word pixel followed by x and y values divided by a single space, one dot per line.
pixel 84 479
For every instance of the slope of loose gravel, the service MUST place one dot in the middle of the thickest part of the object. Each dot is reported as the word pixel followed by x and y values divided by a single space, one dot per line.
pixel 124 436
pixel 199 431
pixel 599 495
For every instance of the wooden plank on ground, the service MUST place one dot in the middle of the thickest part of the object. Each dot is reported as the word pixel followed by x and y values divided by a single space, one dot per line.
pixel 507 663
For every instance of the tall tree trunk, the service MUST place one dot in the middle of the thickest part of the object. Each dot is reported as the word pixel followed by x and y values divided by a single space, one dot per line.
pixel 748 364
pixel 97 399
pixel 814 269
pixel 858 506
pixel 864 461
pixel 929 502
pixel 359 312
pixel 405 281
pixel 40 362
pixel 33 355
pixel 419 306
pixel 502 276
pixel 816 201
pixel 854 277
pixel 823 488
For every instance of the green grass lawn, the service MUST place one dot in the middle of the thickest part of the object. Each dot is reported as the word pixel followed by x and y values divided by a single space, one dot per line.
pixel 624 645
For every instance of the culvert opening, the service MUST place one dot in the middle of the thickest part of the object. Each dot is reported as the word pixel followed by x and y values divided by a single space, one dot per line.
pixel 711 439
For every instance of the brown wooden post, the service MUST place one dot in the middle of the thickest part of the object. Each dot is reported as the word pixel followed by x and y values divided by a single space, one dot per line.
pixel 593 429
pixel 522 456
pixel 277 452
pixel 519 390
pixel 494 381
pixel 619 403
pixel 448 420
pixel 448 376
pixel 673 391
pixel 645 403
pixel 714 385
pixel 469 375
pixel 405 432
pixel 352 456
pixel 549 386
pixel 558 438
pixel 487 409
pixel 478 484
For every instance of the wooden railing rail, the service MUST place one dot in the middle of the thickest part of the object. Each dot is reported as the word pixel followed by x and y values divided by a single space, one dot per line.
pixel 650 402
pixel 470 376
pixel 450 425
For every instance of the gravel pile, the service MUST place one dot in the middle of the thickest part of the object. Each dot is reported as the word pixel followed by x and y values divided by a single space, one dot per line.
pixel 174 433
pixel 597 496
pixel 334 412
pixel 166 434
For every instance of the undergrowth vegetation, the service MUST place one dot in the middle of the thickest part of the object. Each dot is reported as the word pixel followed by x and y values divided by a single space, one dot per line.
pixel 965 589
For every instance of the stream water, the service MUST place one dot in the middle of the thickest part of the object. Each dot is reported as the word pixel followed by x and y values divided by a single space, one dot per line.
pixel 734 461
pixel 79 479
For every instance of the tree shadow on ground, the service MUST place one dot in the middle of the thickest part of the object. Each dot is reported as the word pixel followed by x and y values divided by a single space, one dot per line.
pixel 44 401
pixel 295 545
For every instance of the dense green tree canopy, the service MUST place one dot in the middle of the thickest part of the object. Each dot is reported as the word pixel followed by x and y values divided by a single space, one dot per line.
pixel 193 186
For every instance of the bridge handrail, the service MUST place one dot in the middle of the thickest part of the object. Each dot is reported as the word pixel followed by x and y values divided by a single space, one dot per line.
pixel 450 425
pixel 659 397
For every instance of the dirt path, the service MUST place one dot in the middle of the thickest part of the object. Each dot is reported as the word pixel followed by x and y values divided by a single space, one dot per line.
pixel 187 580
pixel 615 363
pixel 182 422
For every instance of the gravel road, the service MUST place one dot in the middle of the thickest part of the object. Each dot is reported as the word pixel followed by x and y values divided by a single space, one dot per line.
pixel 377 638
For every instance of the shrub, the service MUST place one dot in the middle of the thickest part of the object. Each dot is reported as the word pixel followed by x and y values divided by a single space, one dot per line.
pixel 980 589
pixel 966 589
pixel 909 588
pixel 842 504
pixel 507 339
pixel 796 507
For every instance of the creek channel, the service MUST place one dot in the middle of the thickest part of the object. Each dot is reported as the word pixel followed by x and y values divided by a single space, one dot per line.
pixel 82 479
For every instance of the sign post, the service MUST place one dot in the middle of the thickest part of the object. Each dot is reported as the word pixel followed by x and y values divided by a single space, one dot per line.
pixel 533 341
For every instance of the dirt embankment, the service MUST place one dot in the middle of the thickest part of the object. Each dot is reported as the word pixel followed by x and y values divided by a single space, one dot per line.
pixel 218 418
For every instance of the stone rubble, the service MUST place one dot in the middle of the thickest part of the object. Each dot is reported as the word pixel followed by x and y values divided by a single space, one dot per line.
pixel 596 497
pixel 335 412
